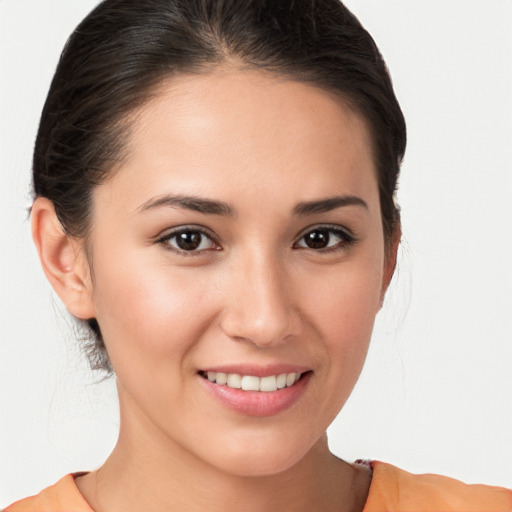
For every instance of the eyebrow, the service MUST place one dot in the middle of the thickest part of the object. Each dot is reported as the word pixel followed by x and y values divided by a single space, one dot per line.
pixel 212 207
pixel 326 205
pixel 197 204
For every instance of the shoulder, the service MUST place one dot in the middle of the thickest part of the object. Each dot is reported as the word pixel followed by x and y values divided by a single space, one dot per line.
pixel 393 489
pixel 63 496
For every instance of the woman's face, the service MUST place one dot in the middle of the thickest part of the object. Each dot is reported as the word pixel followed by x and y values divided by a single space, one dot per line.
pixel 241 235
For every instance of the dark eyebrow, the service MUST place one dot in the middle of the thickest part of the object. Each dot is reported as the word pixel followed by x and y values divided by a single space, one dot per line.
pixel 197 204
pixel 326 205
pixel 211 207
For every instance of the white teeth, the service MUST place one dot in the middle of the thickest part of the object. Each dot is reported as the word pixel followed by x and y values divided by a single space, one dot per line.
pixel 252 383
pixel 234 380
pixel 222 378
pixel 290 378
pixel 281 381
pixel 268 383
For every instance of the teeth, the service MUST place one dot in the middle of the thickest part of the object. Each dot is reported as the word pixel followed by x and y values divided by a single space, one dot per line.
pixel 281 381
pixel 290 378
pixel 222 378
pixel 252 383
pixel 268 383
pixel 234 380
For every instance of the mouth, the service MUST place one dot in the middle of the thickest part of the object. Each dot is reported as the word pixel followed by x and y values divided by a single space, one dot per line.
pixel 257 390
pixel 265 384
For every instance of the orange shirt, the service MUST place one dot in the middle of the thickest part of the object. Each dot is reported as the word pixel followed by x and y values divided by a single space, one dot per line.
pixel 391 490
pixel 64 496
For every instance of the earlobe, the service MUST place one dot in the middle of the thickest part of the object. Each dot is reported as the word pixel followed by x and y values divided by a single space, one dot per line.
pixel 63 260
pixel 390 259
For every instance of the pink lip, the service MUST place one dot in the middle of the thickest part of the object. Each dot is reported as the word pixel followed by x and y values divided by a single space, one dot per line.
pixel 257 403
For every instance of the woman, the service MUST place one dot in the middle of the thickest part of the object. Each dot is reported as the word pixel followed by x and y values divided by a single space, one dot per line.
pixel 214 198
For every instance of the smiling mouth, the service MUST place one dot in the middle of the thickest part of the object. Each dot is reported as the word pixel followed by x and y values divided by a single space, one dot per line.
pixel 253 383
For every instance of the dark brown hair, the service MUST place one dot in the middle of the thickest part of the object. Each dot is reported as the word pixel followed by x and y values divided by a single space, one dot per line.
pixel 119 54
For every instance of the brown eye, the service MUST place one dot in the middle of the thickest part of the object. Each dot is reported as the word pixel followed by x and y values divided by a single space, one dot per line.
pixel 325 238
pixel 189 240
pixel 317 239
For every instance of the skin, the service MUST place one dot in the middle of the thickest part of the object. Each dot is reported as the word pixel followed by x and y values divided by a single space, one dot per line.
pixel 257 294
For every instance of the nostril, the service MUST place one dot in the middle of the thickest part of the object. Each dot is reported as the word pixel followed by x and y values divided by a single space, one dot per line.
pixel 264 332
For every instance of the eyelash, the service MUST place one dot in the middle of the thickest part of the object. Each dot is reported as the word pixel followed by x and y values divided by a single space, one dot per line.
pixel 347 239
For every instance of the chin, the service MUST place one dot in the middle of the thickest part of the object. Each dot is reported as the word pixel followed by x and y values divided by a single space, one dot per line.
pixel 260 466
pixel 260 459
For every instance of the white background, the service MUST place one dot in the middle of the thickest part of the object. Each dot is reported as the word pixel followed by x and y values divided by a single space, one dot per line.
pixel 436 393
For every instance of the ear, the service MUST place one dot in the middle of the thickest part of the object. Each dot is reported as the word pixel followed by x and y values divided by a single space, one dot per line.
pixel 63 260
pixel 390 258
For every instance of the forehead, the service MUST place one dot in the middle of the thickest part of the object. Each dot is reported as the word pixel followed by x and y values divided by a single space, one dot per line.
pixel 247 130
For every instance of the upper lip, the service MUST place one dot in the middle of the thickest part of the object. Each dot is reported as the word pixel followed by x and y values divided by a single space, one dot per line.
pixel 257 370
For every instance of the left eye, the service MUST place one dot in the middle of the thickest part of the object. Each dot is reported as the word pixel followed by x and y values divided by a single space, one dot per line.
pixel 189 240
pixel 324 238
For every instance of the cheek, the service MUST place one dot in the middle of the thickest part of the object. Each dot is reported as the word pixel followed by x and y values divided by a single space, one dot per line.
pixel 148 309
pixel 346 302
pixel 344 313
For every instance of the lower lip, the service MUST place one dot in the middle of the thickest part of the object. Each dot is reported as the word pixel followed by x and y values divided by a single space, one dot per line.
pixel 258 403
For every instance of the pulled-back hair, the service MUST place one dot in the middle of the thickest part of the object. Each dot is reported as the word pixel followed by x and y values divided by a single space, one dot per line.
pixel 116 58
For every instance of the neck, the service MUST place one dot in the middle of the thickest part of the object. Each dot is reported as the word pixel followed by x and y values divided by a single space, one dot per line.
pixel 147 471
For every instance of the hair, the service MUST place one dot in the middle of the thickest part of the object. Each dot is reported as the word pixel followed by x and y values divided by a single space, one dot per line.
pixel 116 58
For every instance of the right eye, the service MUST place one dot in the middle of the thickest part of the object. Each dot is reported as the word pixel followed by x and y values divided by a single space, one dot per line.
pixel 189 240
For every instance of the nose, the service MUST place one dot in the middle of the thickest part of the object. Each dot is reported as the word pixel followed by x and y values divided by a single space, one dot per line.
pixel 259 304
